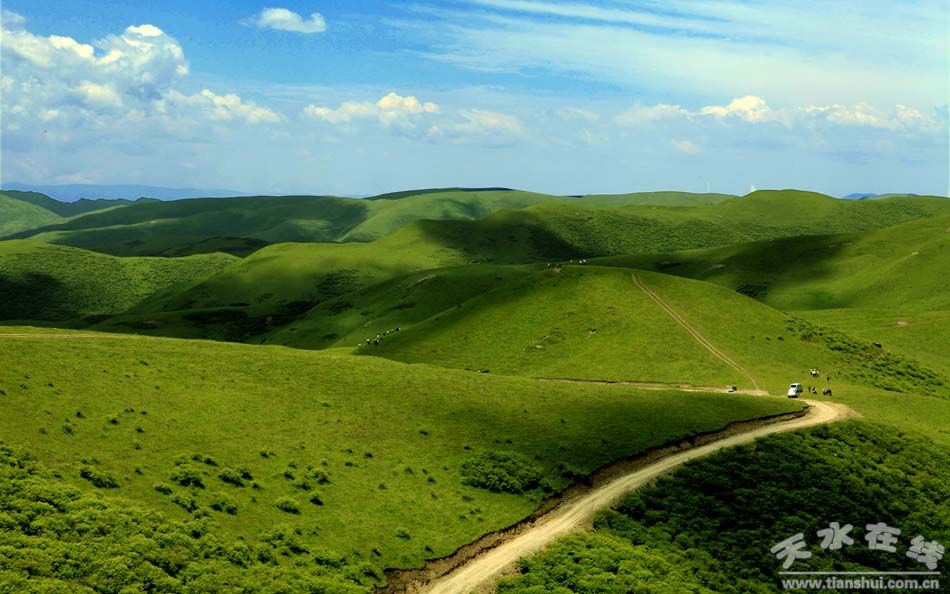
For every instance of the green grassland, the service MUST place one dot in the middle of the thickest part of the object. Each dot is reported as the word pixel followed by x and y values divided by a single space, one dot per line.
pixel 902 266
pixel 250 464
pixel 70 209
pixel 283 282
pixel 40 281
pixel 379 443
pixel 888 286
pixel 181 227
pixel 351 319
pixel 588 322
pixel 17 215
pixel 539 225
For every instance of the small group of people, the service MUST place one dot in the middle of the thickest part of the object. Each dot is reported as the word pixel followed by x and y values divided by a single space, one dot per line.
pixel 815 373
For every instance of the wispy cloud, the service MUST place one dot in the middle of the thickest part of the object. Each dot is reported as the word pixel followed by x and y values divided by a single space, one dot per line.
pixel 776 48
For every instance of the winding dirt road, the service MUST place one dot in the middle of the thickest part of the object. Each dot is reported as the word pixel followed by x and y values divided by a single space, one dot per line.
pixel 483 570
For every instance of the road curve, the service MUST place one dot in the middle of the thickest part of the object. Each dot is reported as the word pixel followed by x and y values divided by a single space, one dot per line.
pixel 487 567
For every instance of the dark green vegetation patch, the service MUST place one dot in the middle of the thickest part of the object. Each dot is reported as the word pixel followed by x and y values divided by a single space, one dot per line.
pixel 501 472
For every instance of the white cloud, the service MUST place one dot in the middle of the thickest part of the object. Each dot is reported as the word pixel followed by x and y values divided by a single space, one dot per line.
pixel 224 108
pixel 12 20
pixel 748 108
pixel 145 31
pixel 96 95
pixel 391 109
pixel 282 19
pixel 755 110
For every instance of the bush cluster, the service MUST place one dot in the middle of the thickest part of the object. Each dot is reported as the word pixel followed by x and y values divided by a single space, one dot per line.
pixel 501 472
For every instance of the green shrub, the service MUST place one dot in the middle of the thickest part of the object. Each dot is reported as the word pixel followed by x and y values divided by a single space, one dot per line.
pixel 188 475
pixel 500 472
pixel 288 505
pixel 186 502
pixel 163 488
pixel 223 503
pixel 231 476
pixel 99 478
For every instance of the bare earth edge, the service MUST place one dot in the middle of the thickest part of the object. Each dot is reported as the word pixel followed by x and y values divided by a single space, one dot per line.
pixel 449 574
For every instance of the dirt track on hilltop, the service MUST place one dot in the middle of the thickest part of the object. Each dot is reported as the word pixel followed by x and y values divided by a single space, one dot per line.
pixel 696 334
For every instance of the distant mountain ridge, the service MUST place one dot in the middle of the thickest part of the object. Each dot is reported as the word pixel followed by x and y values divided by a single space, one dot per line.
pixel 74 192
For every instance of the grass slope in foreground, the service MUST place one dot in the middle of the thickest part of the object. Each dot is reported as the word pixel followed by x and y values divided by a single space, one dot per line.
pixel 362 456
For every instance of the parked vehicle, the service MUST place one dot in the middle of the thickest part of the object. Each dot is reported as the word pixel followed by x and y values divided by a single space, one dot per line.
pixel 794 390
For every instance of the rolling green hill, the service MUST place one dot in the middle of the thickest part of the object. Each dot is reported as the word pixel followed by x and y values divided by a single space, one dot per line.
pixel 351 318
pixel 904 267
pixel 338 463
pixel 70 209
pixel 39 281
pixel 593 323
pixel 889 285
pixel 182 227
pixel 17 215
pixel 590 225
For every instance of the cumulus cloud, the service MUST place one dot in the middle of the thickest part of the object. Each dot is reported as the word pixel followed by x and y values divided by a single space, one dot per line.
pixel 282 19
pixel 748 108
pixel 391 109
pixel 118 93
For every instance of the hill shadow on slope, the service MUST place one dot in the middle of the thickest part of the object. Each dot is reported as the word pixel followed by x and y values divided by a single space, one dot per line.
pixel 21 298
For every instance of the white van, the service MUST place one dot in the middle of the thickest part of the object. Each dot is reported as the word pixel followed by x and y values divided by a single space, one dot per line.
pixel 794 390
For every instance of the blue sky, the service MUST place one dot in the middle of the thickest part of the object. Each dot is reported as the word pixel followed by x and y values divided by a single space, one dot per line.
pixel 348 97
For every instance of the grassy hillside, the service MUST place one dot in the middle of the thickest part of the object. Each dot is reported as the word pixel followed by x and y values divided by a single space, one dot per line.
pixel 888 286
pixel 17 215
pixel 594 323
pixel 69 209
pixel 905 267
pixel 350 319
pixel 39 281
pixel 656 199
pixel 577 322
pixel 542 225
pixel 185 226
pixel 361 459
